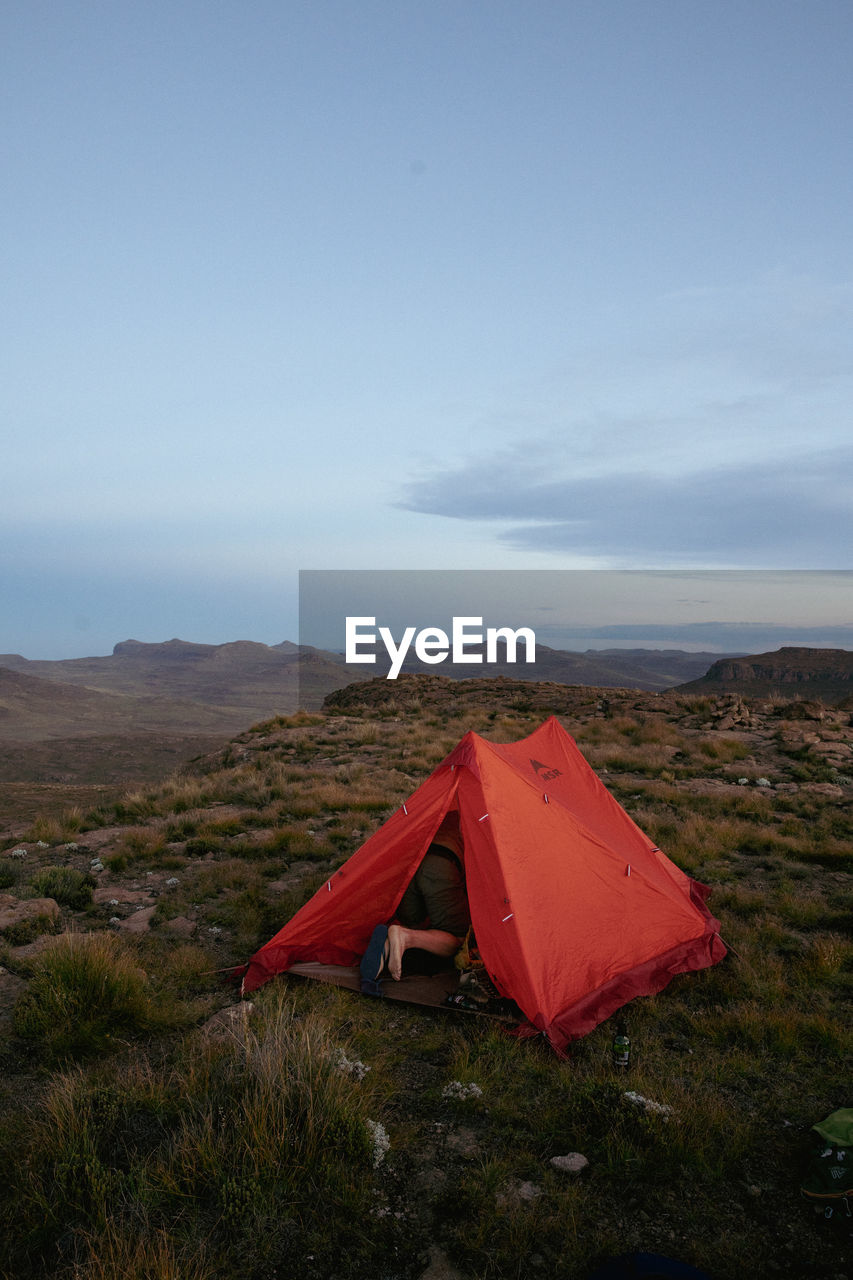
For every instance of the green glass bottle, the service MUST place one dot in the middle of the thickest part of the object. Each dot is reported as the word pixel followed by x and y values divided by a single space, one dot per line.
pixel 621 1048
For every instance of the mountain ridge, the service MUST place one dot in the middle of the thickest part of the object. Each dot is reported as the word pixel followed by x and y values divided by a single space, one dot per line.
pixel 822 674
pixel 255 680
pixel 177 686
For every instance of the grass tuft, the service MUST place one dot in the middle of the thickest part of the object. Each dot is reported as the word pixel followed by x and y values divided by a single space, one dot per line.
pixel 236 1157
pixel 65 885
pixel 86 990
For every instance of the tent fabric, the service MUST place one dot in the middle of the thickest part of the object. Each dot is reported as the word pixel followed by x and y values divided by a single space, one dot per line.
pixel 574 909
pixel 837 1128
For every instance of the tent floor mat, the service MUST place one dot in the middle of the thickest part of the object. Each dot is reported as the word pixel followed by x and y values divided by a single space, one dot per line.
pixel 422 989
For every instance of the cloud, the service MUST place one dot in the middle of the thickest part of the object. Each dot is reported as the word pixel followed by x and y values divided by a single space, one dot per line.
pixel 731 637
pixel 791 512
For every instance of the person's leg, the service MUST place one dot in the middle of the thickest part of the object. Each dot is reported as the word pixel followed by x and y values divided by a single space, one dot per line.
pixel 433 915
pixel 401 938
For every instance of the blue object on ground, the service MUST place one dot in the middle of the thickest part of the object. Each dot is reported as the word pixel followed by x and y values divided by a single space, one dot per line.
pixel 373 960
pixel 646 1266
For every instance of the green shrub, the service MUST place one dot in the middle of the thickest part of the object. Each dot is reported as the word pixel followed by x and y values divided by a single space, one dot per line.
pixel 66 886
pixel 85 989
pixel 724 750
pixel 26 931
pixel 198 846
pixel 9 875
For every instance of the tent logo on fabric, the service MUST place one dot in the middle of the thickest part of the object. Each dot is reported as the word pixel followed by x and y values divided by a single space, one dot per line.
pixel 432 644
pixel 545 771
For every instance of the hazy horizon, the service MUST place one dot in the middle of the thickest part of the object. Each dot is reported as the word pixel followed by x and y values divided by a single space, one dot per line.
pixel 574 610
pixel 766 641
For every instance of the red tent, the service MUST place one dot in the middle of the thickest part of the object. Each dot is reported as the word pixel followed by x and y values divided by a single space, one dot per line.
pixel 575 911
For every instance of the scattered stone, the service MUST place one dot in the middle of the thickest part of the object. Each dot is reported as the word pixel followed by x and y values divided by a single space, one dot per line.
pixel 828 789
pixel 733 713
pixel 763 782
pixel 802 710
pixel 440 1267
pixel 516 1192
pixel 231 1021
pixel 14 912
pixel 464 1143
pixel 18 853
pixel 102 838
pixel 116 894
pixel 172 882
pixel 139 922
pixel 29 950
pixel 574 1162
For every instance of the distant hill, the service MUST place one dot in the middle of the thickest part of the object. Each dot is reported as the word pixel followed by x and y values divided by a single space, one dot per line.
pixel 824 675
pixel 144 708
pixel 139 712
pixel 212 687
pixel 649 669
pixel 33 709
pixel 179 686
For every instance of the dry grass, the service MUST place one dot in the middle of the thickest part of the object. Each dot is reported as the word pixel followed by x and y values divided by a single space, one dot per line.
pixel 250 1156
pixel 120 1252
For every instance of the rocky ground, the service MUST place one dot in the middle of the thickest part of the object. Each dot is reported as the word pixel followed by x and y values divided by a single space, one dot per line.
pixel 795 751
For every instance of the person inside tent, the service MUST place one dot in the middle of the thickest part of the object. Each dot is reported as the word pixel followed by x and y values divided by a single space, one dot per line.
pixel 432 919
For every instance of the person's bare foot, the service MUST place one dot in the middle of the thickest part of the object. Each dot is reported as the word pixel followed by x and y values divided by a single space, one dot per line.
pixel 396 947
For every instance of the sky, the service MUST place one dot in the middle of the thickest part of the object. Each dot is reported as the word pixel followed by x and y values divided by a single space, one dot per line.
pixel 301 285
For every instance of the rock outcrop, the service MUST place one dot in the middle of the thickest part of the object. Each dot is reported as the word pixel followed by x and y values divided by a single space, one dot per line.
pixel 815 674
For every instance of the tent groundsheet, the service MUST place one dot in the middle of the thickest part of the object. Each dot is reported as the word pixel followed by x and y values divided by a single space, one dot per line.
pixel 434 991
